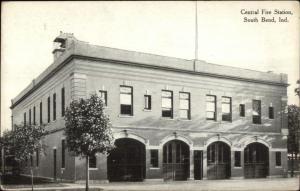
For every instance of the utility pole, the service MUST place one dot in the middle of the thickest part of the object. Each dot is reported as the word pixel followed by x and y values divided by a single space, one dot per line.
pixel 196 34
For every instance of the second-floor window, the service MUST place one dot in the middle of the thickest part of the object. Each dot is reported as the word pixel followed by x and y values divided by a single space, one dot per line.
pixel 226 109
pixel 242 110
pixel 211 107
pixel 41 113
pixel 54 107
pixel 103 96
pixel 62 102
pixel 184 104
pixel 29 121
pixel 34 120
pixel 256 111
pixel 48 104
pixel 167 103
pixel 25 118
pixel 271 112
pixel 126 100
pixel 147 100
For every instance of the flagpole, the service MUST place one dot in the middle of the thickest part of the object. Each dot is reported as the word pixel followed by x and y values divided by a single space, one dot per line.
pixel 196 32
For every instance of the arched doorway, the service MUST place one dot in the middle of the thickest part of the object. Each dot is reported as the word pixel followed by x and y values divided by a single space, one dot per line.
pixel 127 161
pixel 218 160
pixel 256 161
pixel 176 160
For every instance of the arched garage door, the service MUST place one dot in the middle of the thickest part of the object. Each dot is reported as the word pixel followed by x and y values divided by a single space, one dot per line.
pixel 127 161
pixel 218 160
pixel 256 161
pixel 176 160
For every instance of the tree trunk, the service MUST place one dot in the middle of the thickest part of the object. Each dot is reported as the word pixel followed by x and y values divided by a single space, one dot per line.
pixel 31 178
pixel 87 174
pixel 292 170
pixel 3 160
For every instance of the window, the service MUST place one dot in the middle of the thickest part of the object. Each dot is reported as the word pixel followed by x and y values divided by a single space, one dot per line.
pixel 54 107
pixel 63 153
pixel 147 99
pixel 41 113
pixel 126 100
pixel 271 112
pixel 62 101
pixel 242 110
pixel 256 113
pixel 154 158
pixel 29 121
pixel 278 158
pixel 37 157
pixel 210 107
pixel 24 118
pixel 34 120
pixel 184 99
pixel 103 96
pixel 93 161
pixel 48 102
pixel 237 158
pixel 226 109
pixel 167 103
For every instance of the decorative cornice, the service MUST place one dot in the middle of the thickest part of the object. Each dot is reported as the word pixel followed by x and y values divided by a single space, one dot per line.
pixel 180 70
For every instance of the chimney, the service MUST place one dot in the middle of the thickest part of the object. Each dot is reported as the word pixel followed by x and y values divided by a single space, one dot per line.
pixel 60 44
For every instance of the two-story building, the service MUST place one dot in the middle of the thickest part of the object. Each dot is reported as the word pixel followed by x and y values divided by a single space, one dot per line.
pixel 173 119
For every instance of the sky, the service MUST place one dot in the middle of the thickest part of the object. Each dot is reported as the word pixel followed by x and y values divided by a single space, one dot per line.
pixel 164 28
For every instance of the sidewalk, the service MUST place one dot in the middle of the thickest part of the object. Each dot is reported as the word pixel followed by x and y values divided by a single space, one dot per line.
pixel 276 184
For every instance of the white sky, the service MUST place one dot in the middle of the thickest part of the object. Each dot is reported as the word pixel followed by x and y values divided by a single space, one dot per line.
pixel 165 28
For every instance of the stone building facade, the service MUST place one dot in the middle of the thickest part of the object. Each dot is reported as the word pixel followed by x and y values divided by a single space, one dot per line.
pixel 173 119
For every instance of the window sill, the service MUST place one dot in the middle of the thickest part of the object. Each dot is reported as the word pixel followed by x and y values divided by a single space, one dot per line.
pixel 93 168
pixel 237 167
pixel 211 120
pixel 182 119
pixel 278 166
pixel 154 168
pixel 226 121
pixel 167 118
pixel 125 116
pixel 147 110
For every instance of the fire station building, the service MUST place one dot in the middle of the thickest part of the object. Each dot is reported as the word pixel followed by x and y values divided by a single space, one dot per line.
pixel 173 119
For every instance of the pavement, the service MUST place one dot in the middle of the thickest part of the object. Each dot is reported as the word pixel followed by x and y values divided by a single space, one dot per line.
pixel 270 184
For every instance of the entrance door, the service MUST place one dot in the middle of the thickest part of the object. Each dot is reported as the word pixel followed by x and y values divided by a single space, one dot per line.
pixel 54 164
pixel 218 161
pixel 256 161
pixel 198 165
pixel 176 160
pixel 127 161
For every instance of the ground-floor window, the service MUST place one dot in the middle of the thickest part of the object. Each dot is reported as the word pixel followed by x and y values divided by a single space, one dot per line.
pixel 237 158
pixel 278 158
pixel 154 158
pixel 93 161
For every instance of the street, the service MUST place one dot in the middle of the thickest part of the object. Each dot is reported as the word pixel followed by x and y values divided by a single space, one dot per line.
pixel 275 184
